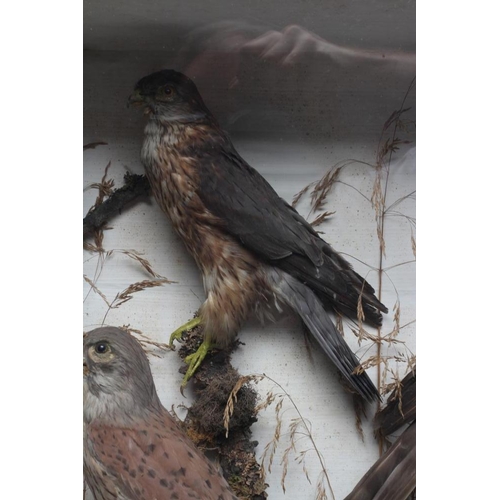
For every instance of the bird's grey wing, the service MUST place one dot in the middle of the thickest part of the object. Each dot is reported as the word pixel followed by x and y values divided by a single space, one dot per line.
pixel 305 303
pixel 156 460
pixel 251 210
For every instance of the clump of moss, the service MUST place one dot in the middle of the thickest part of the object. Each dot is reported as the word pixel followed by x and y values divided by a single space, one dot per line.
pixel 213 382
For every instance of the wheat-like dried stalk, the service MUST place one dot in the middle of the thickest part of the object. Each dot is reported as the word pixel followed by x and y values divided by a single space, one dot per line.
pixel 321 218
pixel 298 428
pixel 138 256
pixel 127 294
pixel 299 195
pixel 233 397
pixel 94 287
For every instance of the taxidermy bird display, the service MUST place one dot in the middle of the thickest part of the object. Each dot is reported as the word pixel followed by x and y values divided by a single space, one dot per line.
pixel 254 250
pixel 132 448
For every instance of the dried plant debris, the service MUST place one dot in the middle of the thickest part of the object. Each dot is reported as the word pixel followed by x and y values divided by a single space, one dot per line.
pixel 138 257
pixel 401 407
pixel 323 187
pixel 298 429
pixel 387 146
pixel 319 191
pixel 379 196
pixel 299 195
pixel 146 342
pixel 126 294
pixel 213 384
pixel 135 187
pixel 321 218
pixel 104 189
pixel 104 255
pixel 93 145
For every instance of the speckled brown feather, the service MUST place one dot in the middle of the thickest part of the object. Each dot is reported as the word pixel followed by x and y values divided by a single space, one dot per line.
pixel 154 459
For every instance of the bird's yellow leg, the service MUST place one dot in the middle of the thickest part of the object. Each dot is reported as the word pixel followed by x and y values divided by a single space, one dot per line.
pixel 194 360
pixel 187 326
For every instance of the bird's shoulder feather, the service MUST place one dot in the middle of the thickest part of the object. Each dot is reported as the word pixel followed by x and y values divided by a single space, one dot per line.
pixel 251 210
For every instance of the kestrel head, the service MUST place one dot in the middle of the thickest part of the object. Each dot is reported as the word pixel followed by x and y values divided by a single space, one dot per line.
pixel 171 96
pixel 117 378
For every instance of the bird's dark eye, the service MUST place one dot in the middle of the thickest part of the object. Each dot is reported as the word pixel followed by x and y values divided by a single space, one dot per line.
pixel 101 347
pixel 168 90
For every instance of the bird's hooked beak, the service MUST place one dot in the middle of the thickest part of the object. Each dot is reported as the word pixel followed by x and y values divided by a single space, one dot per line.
pixel 135 99
pixel 138 100
pixel 85 368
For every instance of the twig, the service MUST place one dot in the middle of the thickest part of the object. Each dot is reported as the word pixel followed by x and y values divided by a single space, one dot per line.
pixel 135 187
pixel 379 201
pixel 93 145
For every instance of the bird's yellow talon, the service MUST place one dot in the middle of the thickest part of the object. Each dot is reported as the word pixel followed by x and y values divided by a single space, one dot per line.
pixel 194 360
pixel 177 335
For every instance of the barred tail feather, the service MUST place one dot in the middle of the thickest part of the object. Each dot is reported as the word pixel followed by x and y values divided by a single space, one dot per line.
pixel 303 300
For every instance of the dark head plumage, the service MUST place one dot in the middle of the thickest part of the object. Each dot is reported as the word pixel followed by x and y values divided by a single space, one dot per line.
pixel 170 95
pixel 150 84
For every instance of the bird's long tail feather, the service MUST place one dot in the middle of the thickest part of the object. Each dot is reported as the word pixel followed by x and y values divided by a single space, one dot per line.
pixel 393 476
pixel 303 300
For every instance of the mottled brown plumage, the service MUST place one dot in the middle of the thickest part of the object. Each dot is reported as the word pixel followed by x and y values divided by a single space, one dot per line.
pixel 253 249
pixel 231 274
pixel 133 449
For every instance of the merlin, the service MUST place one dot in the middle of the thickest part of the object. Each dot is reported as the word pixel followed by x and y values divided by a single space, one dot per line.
pixel 132 448
pixel 254 250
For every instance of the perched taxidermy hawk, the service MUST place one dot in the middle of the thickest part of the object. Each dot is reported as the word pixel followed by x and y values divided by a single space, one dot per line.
pixel 252 247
